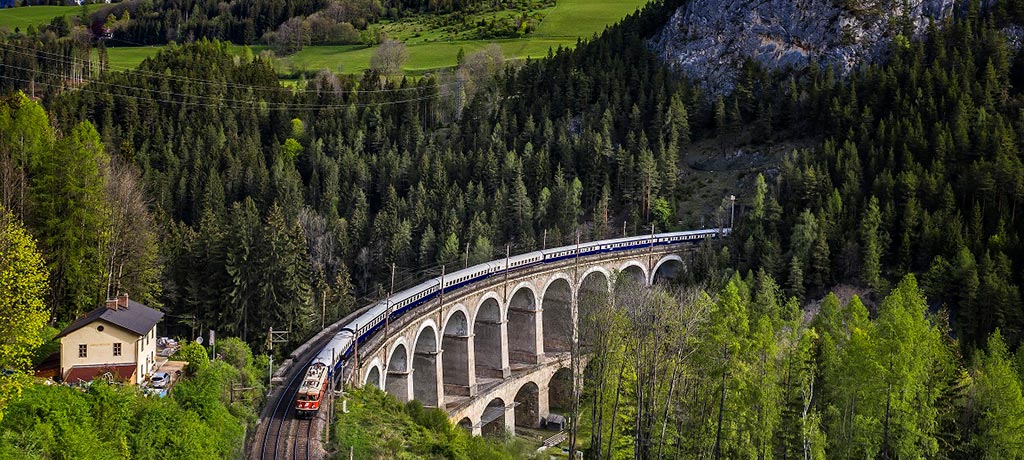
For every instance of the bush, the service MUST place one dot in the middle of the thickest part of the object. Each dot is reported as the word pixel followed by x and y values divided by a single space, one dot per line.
pixel 117 421
pixel 195 354
pixel 378 426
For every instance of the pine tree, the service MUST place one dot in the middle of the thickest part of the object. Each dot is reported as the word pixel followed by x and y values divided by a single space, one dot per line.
pixel 869 227
pixel 449 253
pixel 520 215
pixel 908 351
pixel 482 250
pixel 27 136
pixel 283 297
pixel 69 217
pixel 1000 404
pixel 240 265
pixel 428 246
pixel 795 287
pixel 821 267
pixel 340 295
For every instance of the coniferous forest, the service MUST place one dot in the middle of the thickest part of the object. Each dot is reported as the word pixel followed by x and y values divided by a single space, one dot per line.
pixel 868 303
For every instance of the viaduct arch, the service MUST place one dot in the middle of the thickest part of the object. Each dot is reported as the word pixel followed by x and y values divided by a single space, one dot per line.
pixel 495 356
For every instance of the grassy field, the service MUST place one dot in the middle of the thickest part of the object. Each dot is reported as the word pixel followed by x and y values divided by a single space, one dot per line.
pixel 129 57
pixel 422 57
pixel 25 16
pixel 121 58
pixel 583 18
pixel 562 25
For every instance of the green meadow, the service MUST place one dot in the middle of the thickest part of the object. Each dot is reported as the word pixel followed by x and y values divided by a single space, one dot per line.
pixel 431 49
pixel 24 16
pixel 123 57
pixel 562 25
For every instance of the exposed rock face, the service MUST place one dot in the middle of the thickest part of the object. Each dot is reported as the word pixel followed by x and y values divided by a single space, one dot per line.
pixel 709 39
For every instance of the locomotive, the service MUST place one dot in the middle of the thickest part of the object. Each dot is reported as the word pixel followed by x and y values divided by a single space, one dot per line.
pixel 311 392
pixel 332 357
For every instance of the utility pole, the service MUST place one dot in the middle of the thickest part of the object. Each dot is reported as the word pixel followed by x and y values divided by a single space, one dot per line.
pixel 544 245
pixel 330 392
pixel 323 311
pixel 574 352
pixel 467 255
pixel 732 214
pixel 650 253
pixel 508 253
pixel 355 353
pixel 441 295
pixel 392 291
pixel 387 310
pixel 623 228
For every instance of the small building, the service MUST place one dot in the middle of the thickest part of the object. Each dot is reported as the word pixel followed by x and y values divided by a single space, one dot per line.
pixel 554 422
pixel 116 341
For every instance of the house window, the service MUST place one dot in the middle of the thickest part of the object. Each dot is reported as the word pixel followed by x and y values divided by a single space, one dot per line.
pixel 117 349
pixel 83 350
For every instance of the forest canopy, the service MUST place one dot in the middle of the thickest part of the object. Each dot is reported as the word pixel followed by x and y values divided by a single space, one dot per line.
pixel 201 183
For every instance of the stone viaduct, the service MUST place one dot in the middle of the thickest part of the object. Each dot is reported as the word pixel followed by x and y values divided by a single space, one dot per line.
pixel 495 355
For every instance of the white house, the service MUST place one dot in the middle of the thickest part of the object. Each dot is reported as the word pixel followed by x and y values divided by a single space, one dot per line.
pixel 119 338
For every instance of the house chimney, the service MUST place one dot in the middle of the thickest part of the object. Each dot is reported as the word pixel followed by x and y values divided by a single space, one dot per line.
pixel 118 303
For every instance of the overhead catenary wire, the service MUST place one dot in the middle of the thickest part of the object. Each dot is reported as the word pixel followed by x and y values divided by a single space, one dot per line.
pixel 32 52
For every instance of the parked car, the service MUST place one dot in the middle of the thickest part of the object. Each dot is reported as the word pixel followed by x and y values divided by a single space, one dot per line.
pixel 159 380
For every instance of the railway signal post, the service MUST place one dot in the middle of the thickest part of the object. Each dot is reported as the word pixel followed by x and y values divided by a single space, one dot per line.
pixel 272 338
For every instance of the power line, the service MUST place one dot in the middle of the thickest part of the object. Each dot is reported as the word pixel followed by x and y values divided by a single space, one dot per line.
pixel 279 105
pixel 32 52
pixel 71 59
pixel 224 102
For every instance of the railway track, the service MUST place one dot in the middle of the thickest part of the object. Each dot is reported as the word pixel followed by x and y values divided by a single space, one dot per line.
pixel 300 450
pixel 287 437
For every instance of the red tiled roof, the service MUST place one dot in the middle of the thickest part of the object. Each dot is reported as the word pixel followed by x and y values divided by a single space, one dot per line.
pixel 121 372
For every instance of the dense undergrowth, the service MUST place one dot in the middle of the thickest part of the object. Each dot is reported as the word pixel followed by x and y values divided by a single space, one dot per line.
pixel 377 426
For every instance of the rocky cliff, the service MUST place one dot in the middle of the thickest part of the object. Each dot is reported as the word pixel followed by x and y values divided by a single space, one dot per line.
pixel 709 39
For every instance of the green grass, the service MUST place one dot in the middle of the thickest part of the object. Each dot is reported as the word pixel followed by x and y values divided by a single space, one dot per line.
pixel 583 18
pixel 129 57
pixel 354 59
pixel 121 57
pixel 562 25
pixel 24 16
